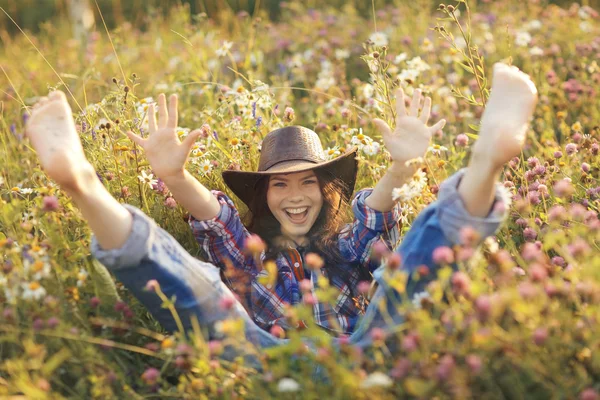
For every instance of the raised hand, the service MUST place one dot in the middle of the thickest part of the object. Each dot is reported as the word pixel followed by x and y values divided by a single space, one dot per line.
pixel 165 152
pixel 411 137
pixel 507 114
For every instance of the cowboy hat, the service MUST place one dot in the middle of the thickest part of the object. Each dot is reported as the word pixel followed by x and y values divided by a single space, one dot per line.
pixel 292 149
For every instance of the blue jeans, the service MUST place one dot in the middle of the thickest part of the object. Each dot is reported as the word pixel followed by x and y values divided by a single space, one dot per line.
pixel 151 253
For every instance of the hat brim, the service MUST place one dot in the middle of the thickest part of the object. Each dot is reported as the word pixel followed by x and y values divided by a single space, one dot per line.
pixel 344 167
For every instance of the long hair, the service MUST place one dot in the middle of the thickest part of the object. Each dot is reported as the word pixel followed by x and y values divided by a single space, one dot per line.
pixel 323 235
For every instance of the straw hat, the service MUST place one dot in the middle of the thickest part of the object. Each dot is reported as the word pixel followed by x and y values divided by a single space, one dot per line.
pixel 292 149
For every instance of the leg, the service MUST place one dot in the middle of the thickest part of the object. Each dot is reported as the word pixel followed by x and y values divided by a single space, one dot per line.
pixel 151 253
pixel 131 244
pixel 465 200
pixel 52 133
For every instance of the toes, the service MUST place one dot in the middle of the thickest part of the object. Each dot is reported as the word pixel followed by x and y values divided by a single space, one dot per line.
pixel 57 95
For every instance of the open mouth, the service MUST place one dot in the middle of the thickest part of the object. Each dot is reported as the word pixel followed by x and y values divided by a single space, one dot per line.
pixel 297 215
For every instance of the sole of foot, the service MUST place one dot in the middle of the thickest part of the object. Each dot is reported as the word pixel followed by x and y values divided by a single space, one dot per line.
pixel 51 131
pixel 507 114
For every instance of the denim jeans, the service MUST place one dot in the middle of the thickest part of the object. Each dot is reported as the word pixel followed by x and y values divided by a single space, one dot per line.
pixel 151 253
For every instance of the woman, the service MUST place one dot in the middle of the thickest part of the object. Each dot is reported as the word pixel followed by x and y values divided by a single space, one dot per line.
pixel 137 251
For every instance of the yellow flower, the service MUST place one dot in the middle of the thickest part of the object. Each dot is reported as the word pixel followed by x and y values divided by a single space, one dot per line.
pixel 167 343
pixel 576 126
pixel 561 114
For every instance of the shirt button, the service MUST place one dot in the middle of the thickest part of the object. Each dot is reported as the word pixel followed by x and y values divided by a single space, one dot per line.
pixel 296 264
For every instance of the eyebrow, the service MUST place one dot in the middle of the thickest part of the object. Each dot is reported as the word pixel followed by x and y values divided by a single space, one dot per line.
pixel 284 179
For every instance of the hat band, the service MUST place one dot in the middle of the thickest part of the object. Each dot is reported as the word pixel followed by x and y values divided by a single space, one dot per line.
pixel 292 159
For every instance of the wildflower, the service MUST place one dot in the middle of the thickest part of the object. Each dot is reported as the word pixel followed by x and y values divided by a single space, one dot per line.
pixel 363 287
pixel 375 380
pixel 538 272
pixel 585 167
pixel 474 362
pixel 81 277
pixel 445 368
pixel 529 233
pixel 462 140
pixel 170 202
pixel 150 376
pixel 206 167
pixel 522 39
pixel 536 51
pixel 306 286
pixel 254 244
pixel 483 307
pixel 52 322
pixel 40 269
pixel 461 283
pixel 235 143
pixel 289 114
pixel 394 261
pixel 371 149
pixel 332 153
pixel 94 302
pixel 224 49
pixel 148 179
pixel 32 290
pixel 313 261
pixel 589 394
pixel 405 193
pixel 379 39
pixel 277 331
pixel 540 335
pixel 437 149
pixel 420 298
pixel 287 385
pixel 563 188
pixel 571 149
pixel 405 210
pixel 410 342
pixel 443 255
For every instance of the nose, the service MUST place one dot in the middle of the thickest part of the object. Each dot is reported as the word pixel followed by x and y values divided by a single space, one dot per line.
pixel 296 194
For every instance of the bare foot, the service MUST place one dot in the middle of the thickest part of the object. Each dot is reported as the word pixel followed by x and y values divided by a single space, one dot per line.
pixel 507 114
pixel 52 133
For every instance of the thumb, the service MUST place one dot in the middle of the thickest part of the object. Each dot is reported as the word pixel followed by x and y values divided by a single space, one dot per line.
pixel 439 125
pixel 382 126
pixel 189 141
pixel 135 138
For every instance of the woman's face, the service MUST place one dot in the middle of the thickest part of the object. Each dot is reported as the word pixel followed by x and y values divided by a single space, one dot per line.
pixel 295 200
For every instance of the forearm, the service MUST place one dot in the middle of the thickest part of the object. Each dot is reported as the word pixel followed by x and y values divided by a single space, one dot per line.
pixel 477 187
pixel 381 197
pixel 193 196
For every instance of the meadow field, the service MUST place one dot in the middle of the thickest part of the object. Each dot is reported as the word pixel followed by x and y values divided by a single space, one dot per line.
pixel 519 318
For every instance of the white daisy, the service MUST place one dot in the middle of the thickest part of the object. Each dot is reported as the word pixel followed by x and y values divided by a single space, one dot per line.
pixel 379 39
pixel 224 49
pixel 32 290
pixel 376 379
pixel 149 179
pixel 206 167
pixel 288 385
pixel 437 149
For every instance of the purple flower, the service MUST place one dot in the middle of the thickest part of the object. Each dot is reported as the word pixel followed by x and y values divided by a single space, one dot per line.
pixel 443 255
pixel 529 233
pixel 462 140
pixel 258 122
pixel 571 149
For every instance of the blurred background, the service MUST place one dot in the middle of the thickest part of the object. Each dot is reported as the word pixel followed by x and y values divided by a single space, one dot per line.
pixel 29 14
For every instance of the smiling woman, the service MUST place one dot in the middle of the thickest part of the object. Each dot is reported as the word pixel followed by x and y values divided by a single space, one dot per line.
pixel 295 200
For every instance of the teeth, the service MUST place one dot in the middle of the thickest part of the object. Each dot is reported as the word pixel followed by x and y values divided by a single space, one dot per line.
pixel 296 210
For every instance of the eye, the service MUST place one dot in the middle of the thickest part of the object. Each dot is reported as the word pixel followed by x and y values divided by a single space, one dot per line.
pixel 310 181
pixel 279 184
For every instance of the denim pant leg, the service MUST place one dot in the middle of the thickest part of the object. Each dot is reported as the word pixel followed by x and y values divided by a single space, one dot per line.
pixel 152 253
pixel 438 225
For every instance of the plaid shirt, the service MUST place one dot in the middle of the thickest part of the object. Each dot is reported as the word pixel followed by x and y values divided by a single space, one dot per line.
pixel 222 239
